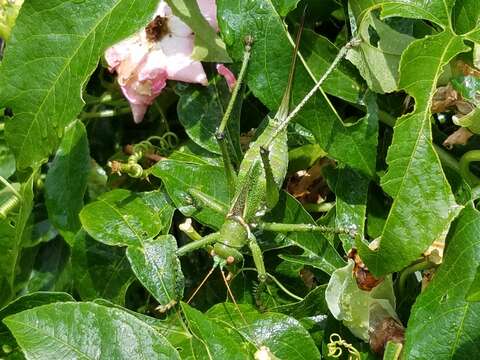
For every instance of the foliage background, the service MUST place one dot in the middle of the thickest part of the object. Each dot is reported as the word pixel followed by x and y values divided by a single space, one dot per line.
pixel 87 255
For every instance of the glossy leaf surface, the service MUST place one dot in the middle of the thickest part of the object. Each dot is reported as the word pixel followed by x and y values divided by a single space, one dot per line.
pixel 284 337
pixel 180 177
pixel 157 267
pixel 212 341
pixel 58 50
pixel 84 331
pixel 443 324
pixel 66 181
pixel 425 203
pixel 100 271
pixel 120 218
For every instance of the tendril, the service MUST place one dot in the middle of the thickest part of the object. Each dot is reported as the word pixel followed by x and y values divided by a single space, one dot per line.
pixel 12 202
pixel 335 348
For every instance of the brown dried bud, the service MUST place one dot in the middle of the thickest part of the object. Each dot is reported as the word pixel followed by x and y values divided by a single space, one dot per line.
pixel 386 330
pixel 365 280
pixel 157 29
pixel 458 137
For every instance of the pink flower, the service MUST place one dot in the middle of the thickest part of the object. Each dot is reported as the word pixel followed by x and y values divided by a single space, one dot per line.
pixel 228 75
pixel 159 52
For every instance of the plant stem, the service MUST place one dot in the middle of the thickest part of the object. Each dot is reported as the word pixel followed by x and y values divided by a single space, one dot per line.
pixel 422 265
pixel 284 289
pixel 105 113
pixel 465 160
pixel 277 282
pixel 187 228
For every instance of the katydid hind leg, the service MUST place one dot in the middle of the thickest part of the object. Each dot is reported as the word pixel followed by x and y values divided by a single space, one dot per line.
pixel 272 191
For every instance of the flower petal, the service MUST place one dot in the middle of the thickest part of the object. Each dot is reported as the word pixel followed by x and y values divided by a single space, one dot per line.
pixel 228 75
pixel 180 66
pixel 138 112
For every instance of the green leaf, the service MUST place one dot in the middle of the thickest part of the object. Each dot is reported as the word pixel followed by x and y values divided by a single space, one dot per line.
pixel 208 46
pixel 285 6
pixel 120 218
pixel 158 268
pixel 466 15
pixel 474 291
pixel 267 77
pixel 441 315
pixel 180 177
pixel 282 335
pixel 392 351
pixel 351 189
pixel 85 331
pixel 318 252
pixel 50 269
pixel 66 181
pixel 100 271
pixel 171 327
pixel 45 67
pixel 7 160
pixel 313 304
pixel 23 303
pixel 200 110
pixel 319 53
pixel 423 205
pixel 14 233
pixel 378 63
pixel 161 204
pixel 437 11
pixel 213 342
pixel 193 153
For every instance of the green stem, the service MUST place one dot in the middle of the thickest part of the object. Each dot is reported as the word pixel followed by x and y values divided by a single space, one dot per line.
pixel 283 228
pixel 422 265
pixel 206 240
pixel 105 113
pixel 277 282
pixel 465 160
pixel 187 228
pixel 476 192
pixel 284 289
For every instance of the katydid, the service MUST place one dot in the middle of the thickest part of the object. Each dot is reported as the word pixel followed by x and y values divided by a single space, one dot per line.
pixel 255 189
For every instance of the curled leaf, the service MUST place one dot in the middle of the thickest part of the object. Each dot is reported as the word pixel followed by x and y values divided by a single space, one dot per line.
pixel 359 309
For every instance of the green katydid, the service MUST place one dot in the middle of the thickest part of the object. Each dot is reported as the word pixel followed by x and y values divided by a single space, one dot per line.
pixel 255 188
